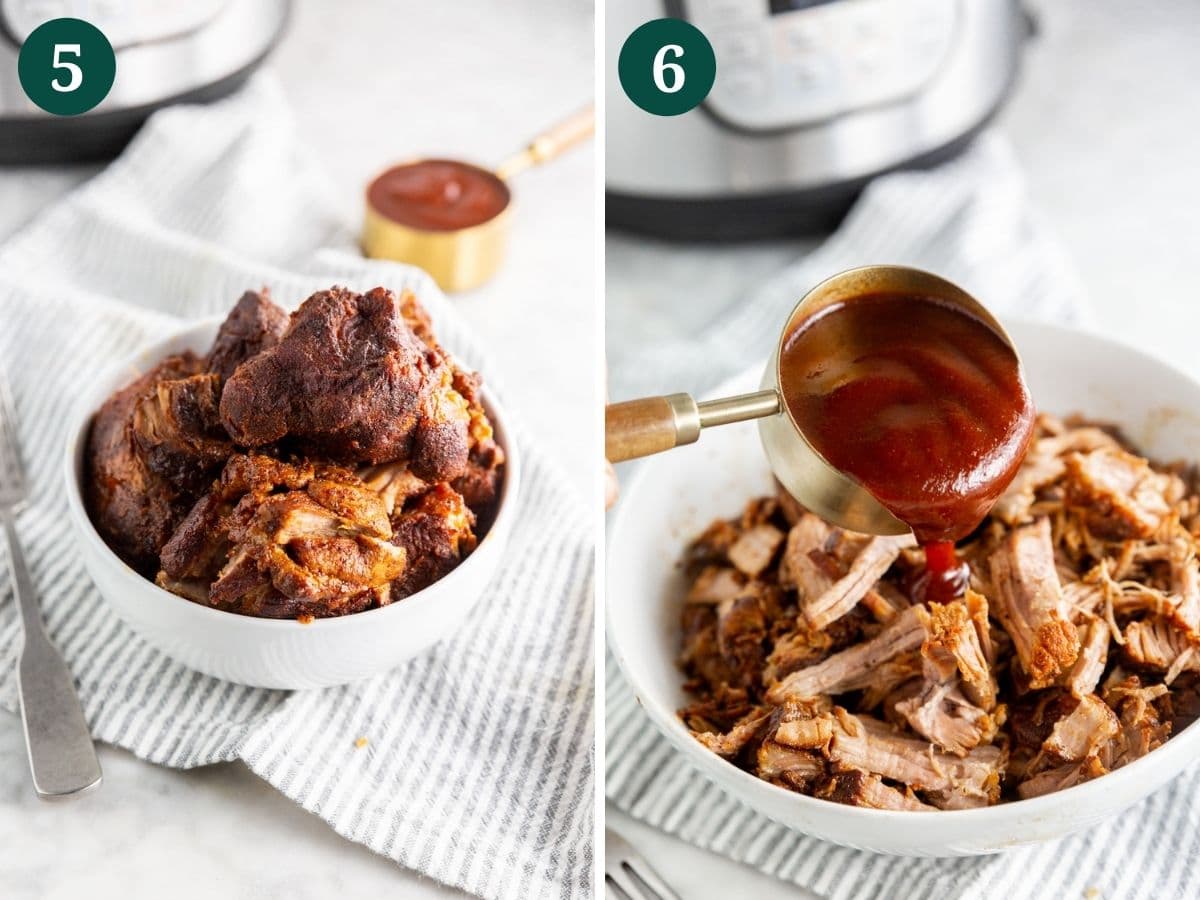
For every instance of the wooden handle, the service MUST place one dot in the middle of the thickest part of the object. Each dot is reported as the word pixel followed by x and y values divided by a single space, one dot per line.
pixel 639 428
pixel 551 143
pixel 563 136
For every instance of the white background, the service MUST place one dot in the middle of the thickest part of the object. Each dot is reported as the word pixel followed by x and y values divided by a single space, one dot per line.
pixel 370 83
pixel 1106 121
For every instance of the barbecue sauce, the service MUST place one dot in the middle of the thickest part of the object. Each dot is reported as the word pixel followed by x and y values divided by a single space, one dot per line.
pixel 919 402
pixel 438 195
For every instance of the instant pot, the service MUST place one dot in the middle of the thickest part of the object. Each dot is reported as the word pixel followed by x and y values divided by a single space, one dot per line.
pixel 812 99
pixel 167 52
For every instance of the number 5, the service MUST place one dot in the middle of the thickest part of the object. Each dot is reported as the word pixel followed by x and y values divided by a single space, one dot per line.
pixel 76 74
pixel 660 67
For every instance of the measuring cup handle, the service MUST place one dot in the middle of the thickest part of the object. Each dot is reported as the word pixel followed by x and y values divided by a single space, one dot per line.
pixel 552 142
pixel 654 424
pixel 563 136
pixel 651 425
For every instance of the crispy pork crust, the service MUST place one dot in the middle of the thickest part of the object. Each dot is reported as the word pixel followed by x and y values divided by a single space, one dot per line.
pixel 351 382
pixel 254 324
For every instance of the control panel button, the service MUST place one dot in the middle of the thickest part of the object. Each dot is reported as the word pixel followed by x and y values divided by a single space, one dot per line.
pixel 741 47
pixel 811 73
pixel 801 38
pixel 742 86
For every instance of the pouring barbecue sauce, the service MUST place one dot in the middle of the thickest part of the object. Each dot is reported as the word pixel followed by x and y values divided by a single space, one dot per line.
pixel 923 405
pixel 438 195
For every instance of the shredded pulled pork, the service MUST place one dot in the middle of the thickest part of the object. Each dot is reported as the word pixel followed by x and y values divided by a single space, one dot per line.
pixel 1075 650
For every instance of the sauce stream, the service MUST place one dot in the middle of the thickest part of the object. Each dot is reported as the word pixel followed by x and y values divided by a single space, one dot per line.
pixel 919 402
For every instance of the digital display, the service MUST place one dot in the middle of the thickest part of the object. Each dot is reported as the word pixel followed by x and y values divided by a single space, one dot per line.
pixel 786 6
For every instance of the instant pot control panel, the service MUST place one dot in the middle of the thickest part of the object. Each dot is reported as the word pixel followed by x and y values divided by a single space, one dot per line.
pixel 784 64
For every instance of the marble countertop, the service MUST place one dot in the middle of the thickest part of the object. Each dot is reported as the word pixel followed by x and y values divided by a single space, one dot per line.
pixel 369 83
pixel 1102 122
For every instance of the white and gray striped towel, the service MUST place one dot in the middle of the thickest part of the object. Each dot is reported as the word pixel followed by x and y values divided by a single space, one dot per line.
pixel 968 220
pixel 478 770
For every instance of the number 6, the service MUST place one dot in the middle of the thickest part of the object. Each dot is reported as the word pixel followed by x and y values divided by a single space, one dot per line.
pixel 76 74
pixel 676 69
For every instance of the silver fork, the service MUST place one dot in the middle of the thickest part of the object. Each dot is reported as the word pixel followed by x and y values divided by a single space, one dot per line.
pixel 62 758
pixel 629 877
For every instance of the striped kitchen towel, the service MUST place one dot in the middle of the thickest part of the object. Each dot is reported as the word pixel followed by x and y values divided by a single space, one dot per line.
pixel 478 771
pixel 969 220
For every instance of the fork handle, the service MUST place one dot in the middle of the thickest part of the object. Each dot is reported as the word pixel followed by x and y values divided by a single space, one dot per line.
pixel 62 757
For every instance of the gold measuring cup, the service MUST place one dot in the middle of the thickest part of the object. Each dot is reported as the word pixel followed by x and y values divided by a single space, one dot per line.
pixel 463 258
pixel 651 425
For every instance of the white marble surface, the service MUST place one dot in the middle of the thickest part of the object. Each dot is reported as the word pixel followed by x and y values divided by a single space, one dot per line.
pixel 369 83
pixel 1104 122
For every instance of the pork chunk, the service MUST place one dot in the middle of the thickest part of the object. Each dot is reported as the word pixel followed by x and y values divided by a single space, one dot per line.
pixel 1061 777
pixel 436 532
pixel 1144 727
pixel 955 646
pixel 1030 603
pixel 796 768
pixel 1043 465
pixel 875 558
pixel 942 713
pixel 480 483
pixel 853 667
pixel 873 746
pixel 178 431
pixel 286 541
pixel 855 787
pixel 135 509
pixel 1155 644
pixel 1083 731
pixel 1118 493
pixel 1093 656
pixel 349 380
pixel 254 324
pixel 731 743
pixel 754 549
pixel 715 585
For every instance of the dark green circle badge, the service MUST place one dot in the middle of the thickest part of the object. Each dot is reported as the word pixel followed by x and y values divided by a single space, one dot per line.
pixel 667 67
pixel 67 66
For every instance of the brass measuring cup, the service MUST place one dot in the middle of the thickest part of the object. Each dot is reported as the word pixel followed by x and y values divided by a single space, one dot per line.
pixel 651 425
pixel 464 258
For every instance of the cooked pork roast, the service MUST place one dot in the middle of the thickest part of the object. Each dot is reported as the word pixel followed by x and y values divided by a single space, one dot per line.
pixel 1075 649
pixel 351 381
pixel 230 478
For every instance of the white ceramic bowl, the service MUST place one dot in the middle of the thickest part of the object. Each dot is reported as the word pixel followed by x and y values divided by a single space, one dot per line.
pixel 279 653
pixel 675 495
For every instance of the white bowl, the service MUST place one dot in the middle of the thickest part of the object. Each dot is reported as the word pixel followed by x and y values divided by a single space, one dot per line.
pixel 675 495
pixel 279 653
